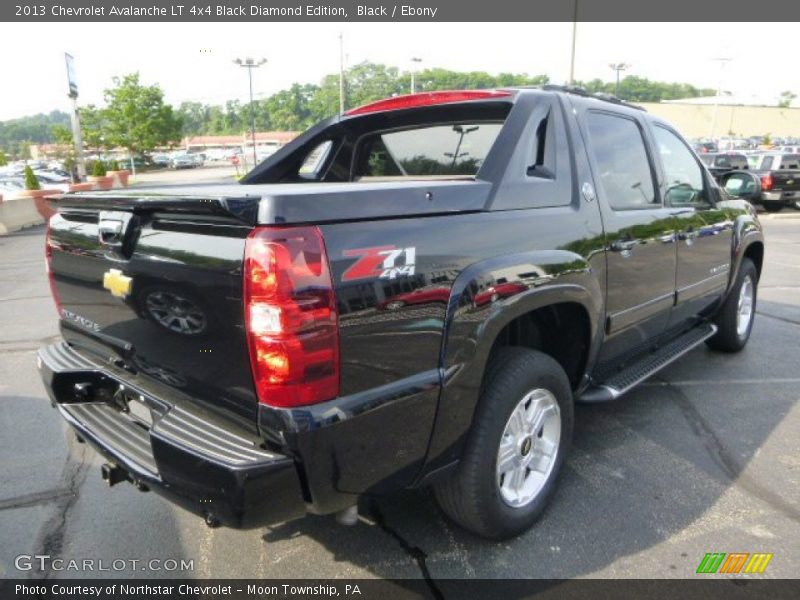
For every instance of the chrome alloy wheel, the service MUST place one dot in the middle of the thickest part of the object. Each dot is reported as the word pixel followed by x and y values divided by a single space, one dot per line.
pixel 528 448
pixel 744 314
pixel 176 313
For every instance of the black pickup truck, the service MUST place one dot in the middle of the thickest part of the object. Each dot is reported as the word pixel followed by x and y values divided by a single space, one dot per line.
pixel 773 181
pixel 412 294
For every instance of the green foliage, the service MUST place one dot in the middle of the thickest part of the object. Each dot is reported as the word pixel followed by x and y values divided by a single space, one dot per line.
pixel 99 169
pixel 31 183
pixel 136 117
pixel 786 99
pixel 3 159
pixel 16 135
pixel 114 165
pixel 639 89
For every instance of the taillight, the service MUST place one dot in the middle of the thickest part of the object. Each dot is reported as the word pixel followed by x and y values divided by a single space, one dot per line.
pixel 48 255
pixel 290 315
pixel 767 182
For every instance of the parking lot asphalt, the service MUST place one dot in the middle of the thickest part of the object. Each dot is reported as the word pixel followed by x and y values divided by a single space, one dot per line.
pixel 704 457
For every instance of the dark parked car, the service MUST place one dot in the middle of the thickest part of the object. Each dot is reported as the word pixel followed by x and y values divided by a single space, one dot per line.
pixel 220 348
pixel 772 182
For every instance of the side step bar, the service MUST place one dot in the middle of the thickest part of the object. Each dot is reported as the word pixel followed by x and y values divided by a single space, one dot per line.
pixel 622 381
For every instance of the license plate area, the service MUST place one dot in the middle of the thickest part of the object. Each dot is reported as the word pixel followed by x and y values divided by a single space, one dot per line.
pixel 138 411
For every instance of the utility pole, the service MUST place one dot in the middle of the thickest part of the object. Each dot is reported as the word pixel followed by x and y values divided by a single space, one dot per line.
pixel 414 59
pixel 574 38
pixel 341 74
pixel 722 63
pixel 250 64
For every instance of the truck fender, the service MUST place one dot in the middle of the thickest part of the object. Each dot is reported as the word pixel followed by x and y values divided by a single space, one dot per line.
pixel 746 232
pixel 471 328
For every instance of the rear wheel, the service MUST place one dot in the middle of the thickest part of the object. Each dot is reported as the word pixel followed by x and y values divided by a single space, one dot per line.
pixel 735 317
pixel 520 435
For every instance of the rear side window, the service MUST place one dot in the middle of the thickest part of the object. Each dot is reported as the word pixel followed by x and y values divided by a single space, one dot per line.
pixel 619 151
pixel 766 163
pixel 447 150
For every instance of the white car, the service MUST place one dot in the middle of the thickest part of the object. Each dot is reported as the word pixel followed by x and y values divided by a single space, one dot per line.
pixel 184 161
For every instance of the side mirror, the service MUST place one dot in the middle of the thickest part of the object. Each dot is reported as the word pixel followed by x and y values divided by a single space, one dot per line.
pixel 741 185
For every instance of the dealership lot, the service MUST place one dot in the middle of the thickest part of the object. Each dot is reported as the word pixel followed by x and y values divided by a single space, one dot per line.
pixel 705 457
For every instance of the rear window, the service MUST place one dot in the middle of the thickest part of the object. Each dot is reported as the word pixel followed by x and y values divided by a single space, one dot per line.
pixel 433 151
pixel 731 161
pixel 790 161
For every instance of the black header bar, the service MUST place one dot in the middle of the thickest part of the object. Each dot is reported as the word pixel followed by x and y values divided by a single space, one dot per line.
pixel 402 11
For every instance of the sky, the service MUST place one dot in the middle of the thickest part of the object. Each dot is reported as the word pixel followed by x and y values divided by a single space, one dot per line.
pixel 193 61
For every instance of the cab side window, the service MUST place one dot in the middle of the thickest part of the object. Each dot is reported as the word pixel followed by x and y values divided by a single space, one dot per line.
pixel 683 176
pixel 620 154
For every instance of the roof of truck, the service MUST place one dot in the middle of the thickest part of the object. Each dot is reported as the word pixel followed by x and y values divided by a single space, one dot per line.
pixel 423 99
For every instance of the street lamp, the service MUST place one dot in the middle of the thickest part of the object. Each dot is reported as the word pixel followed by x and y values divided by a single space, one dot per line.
pixel 618 67
pixel 461 131
pixel 722 62
pixel 250 64
pixel 414 59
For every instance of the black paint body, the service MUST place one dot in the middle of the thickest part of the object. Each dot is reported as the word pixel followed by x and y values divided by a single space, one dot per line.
pixel 516 239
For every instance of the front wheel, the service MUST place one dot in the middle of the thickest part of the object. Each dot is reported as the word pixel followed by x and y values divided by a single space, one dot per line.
pixel 736 315
pixel 520 435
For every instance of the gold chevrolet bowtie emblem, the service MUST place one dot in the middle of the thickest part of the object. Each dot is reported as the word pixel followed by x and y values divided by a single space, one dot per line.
pixel 118 284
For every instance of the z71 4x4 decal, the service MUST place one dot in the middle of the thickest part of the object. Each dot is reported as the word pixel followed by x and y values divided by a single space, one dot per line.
pixel 384 262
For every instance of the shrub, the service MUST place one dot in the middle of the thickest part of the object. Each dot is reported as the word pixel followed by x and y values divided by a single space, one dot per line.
pixel 99 169
pixel 114 165
pixel 31 183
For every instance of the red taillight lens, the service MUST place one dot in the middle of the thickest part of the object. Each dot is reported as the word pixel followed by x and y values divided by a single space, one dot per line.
pixel 290 315
pixel 767 182
pixel 426 99
pixel 48 255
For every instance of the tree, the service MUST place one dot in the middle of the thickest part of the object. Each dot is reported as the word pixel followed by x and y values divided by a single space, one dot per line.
pixel 31 183
pixel 136 117
pixel 786 99
pixel 3 159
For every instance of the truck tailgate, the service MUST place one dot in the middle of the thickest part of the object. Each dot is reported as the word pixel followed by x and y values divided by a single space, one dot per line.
pixel 157 290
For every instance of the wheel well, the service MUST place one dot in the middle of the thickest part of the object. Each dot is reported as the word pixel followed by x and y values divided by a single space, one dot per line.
pixel 755 252
pixel 562 331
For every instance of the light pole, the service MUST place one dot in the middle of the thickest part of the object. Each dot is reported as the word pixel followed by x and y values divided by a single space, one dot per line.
pixel 722 62
pixel 341 74
pixel 250 64
pixel 459 129
pixel 618 67
pixel 574 41
pixel 414 59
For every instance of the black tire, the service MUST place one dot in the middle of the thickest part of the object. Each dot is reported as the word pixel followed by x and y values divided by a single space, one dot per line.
pixel 772 207
pixel 471 496
pixel 728 338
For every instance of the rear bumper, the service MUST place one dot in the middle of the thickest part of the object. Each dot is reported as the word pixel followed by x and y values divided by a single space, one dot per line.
pixel 779 197
pixel 213 470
